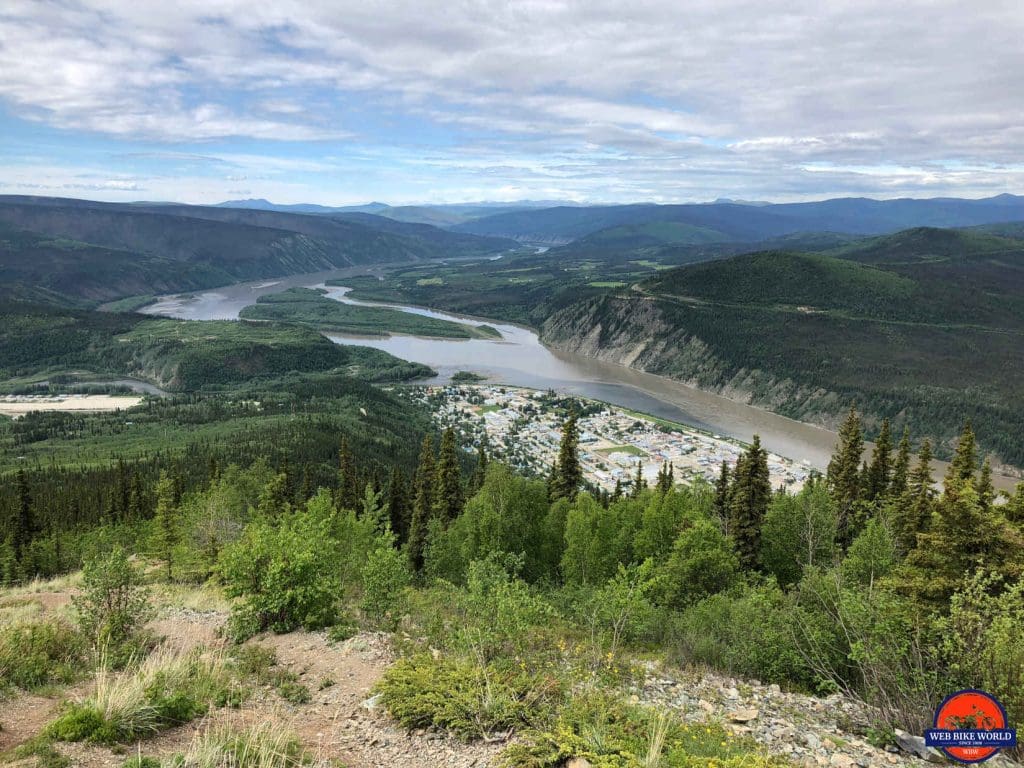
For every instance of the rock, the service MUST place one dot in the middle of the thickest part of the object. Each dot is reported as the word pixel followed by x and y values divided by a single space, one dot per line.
pixel 579 762
pixel 839 760
pixel 915 745
pixel 812 740
pixel 743 715
pixel 373 702
pixel 731 693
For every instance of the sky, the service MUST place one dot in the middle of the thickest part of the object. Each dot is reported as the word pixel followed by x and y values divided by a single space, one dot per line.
pixel 592 101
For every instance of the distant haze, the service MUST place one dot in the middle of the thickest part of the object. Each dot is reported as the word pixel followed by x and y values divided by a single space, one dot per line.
pixel 343 103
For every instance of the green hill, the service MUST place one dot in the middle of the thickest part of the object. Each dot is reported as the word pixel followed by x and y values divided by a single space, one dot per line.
pixel 79 251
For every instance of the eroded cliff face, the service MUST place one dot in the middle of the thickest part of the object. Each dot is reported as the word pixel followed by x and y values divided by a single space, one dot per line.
pixel 641 332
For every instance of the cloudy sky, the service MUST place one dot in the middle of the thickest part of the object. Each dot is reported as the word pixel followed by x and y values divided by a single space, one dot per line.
pixel 675 100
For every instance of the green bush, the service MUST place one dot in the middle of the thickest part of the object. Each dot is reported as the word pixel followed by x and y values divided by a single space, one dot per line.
pixel 294 692
pixel 283 574
pixel 750 633
pixel 255 661
pixel 114 606
pixel 466 698
pixel 41 748
pixel 141 762
pixel 385 578
pixel 607 732
pixel 39 653
pixel 702 562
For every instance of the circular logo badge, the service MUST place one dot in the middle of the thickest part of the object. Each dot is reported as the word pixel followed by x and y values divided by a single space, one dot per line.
pixel 976 724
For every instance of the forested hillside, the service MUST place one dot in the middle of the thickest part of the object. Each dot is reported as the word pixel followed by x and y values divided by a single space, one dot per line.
pixel 74 250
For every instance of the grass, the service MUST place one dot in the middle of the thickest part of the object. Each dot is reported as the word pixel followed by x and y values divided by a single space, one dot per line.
pixel 606 284
pixel 168 688
pixel 631 450
pixel 38 653
pixel 265 745
pixel 204 598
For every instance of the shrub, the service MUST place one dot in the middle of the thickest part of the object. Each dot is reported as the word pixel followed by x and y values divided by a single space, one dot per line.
pixel 342 630
pixel 255 661
pixel 749 633
pixel 468 699
pixel 39 653
pixel 141 762
pixel 604 730
pixel 41 748
pixel 385 577
pixel 114 606
pixel 283 574
pixel 702 562
pixel 294 692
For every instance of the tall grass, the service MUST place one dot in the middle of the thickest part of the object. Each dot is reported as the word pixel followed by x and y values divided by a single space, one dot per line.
pixel 265 745
pixel 168 688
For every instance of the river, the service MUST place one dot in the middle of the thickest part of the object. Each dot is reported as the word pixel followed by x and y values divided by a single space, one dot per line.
pixel 520 359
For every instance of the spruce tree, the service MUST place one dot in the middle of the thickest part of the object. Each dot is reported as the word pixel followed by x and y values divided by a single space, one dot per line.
pixel 476 482
pixel 398 504
pixel 638 480
pixel 568 474
pixel 751 495
pixel 422 506
pixel 165 523
pixel 986 490
pixel 722 497
pixel 617 493
pixel 844 476
pixel 901 467
pixel 879 472
pixel 448 480
pixel 347 496
pixel 963 537
pixel 913 511
pixel 25 527
pixel 965 460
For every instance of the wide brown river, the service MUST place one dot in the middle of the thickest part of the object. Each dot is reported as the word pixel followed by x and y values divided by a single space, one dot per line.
pixel 520 359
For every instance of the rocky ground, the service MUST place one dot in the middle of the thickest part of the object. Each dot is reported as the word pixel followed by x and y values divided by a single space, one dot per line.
pixel 344 722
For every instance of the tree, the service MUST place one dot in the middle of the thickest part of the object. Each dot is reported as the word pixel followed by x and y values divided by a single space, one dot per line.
pixel 666 478
pixel 963 537
pixel 568 474
pixel 900 467
pixel 476 481
pixel 348 495
pixel 702 562
pixel 722 497
pixel 986 490
pixel 448 480
pixel 25 527
pixel 844 475
pixel 913 510
pixel 398 504
pixel 165 522
pixel 422 505
pixel 113 606
pixel 749 503
pixel 965 460
pixel 879 472
pixel 273 498
pixel 638 480
pixel 799 532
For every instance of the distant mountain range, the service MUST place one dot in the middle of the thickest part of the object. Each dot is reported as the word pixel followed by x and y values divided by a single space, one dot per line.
pixel 733 222
pixel 74 251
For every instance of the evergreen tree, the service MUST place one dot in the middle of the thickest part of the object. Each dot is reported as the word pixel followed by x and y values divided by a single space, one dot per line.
pixel 638 480
pixel 901 467
pixel 347 494
pixel 448 480
pixel 25 527
pixel 165 522
pixel 722 497
pixel 963 537
pixel 748 504
pixel 879 473
pixel 476 482
pixel 398 504
pixel 844 476
pixel 423 497
pixel 666 478
pixel 965 460
pixel 136 499
pixel 914 509
pixel 1014 509
pixel 986 490
pixel 306 489
pixel 617 493
pixel 568 475
pixel 272 501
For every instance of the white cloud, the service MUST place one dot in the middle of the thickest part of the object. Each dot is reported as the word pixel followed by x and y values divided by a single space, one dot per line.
pixel 662 99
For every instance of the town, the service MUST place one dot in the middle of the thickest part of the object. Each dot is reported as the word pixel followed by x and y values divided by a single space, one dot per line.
pixel 523 428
